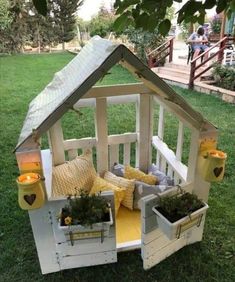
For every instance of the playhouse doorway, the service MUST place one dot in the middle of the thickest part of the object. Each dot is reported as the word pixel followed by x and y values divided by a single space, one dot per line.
pixel 128 228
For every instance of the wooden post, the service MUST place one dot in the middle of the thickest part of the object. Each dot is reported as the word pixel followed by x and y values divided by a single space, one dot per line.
pixel 144 131
pixel 101 134
pixel 180 141
pixel 56 141
pixel 171 49
pixel 192 73
pixel 160 132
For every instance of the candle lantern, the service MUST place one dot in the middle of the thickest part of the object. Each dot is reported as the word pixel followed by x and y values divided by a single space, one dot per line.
pixel 31 193
pixel 212 165
pixel 29 161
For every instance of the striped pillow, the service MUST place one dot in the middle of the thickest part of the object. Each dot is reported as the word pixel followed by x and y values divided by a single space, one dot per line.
pixel 70 177
pixel 101 184
pixel 134 173
pixel 122 182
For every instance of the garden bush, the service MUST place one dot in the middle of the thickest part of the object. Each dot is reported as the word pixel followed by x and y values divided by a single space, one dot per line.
pixel 224 76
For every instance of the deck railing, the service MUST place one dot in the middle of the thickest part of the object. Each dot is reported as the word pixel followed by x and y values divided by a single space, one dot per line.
pixel 160 53
pixel 222 45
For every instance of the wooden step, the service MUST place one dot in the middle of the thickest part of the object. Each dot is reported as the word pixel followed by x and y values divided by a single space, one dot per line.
pixel 179 80
pixel 177 66
pixel 173 72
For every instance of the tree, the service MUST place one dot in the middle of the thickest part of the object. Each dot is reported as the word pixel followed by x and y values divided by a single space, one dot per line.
pixel 102 24
pixel 63 12
pixel 14 35
pixel 5 18
pixel 149 14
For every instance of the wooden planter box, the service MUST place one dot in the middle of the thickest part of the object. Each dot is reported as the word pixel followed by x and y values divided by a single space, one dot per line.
pixel 100 230
pixel 176 229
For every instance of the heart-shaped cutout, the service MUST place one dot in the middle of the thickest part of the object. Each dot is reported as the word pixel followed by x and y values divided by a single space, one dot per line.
pixel 218 171
pixel 30 199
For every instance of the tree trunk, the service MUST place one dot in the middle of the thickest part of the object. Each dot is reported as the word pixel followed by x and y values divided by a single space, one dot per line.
pixel 63 46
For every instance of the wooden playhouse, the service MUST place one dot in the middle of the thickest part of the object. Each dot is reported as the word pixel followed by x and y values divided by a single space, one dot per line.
pixel 73 87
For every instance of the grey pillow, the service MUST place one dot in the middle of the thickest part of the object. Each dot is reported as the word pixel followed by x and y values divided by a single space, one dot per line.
pixel 163 179
pixel 118 169
pixel 142 189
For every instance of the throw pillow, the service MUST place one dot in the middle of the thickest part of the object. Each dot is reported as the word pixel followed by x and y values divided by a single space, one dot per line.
pixel 70 177
pixel 133 173
pixel 122 182
pixel 100 185
pixel 163 179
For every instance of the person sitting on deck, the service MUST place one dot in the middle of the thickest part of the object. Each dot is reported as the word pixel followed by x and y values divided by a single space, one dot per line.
pixel 198 41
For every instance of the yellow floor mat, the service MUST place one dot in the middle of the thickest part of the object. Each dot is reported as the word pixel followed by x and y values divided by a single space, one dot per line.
pixel 128 226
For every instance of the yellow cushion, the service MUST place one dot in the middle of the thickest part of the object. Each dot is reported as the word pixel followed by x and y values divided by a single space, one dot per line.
pixel 100 185
pixel 70 177
pixel 133 173
pixel 122 183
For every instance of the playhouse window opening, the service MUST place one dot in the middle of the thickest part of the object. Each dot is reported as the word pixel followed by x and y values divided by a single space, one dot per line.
pixel 121 118
pixel 78 124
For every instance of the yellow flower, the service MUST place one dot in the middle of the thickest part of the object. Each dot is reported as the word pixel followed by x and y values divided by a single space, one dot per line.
pixel 68 220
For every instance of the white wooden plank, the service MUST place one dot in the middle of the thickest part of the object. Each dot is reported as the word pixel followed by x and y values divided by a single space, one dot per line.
pixel 68 262
pixel 57 145
pixel 72 154
pixel 180 141
pixel 160 133
pixel 161 123
pixel 122 138
pixel 149 223
pixel 144 132
pixel 44 239
pixel 147 203
pixel 101 135
pixel 90 102
pixel 163 164
pixel 170 157
pixel 113 155
pixel 74 144
pixel 147 238
pixel 162 241
pixel 127 154
pixel 116 90
pixel 91 246
pixel 193 154
pixel 170 171
pixel 201 187
pixel 165 252
pixel 47 170
pixel 129 246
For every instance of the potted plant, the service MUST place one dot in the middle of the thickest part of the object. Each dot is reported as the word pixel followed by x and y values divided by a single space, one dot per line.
pixel 85 216
pixel 178 213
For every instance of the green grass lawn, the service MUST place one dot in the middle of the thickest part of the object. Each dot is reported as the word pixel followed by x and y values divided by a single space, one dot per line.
pixel 213 259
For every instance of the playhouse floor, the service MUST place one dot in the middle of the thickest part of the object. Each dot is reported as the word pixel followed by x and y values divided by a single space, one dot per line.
pixel 128 227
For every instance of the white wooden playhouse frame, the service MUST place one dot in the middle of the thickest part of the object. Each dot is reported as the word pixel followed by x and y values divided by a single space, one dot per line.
pixel 74 87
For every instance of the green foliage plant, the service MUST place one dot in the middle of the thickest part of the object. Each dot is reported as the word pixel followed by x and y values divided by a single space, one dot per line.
pixel 85 209
pixel 216 24
pixel 224 76
pixel 178 206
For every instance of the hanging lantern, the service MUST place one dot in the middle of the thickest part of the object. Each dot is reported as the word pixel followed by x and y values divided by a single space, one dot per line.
pixel 31 193
pixel 212 165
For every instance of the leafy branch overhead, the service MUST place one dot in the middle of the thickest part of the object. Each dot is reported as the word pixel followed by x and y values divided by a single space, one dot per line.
pixel 151 14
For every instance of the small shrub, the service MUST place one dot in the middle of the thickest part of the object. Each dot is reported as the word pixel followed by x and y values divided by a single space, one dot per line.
pixel 85 210
pixel 224 76
pixel 178 206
